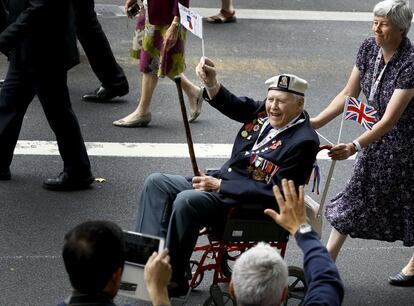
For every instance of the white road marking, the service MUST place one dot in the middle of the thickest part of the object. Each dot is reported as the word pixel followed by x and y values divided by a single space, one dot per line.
pixel 128 149
pixel 292 15
pixel 112 10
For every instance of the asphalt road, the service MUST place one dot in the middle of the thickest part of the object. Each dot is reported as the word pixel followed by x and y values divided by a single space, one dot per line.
pixel 246 53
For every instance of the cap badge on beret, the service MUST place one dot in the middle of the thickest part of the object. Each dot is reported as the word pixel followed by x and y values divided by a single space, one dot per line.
pixel 284 82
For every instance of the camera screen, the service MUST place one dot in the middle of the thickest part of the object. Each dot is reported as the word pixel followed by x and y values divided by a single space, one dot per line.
pixel 139 248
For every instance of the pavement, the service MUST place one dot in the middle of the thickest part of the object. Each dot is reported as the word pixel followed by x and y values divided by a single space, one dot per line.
pixel 246 53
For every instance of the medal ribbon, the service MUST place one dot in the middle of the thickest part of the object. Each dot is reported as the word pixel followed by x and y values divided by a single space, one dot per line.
pixel 263 164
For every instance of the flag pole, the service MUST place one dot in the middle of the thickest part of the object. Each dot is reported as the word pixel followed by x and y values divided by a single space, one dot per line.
pixel 202 46
pixel 331 168
pixel 342 121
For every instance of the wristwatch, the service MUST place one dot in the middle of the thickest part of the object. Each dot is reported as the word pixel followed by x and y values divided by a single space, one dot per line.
pixel 357 145
pixel 304 228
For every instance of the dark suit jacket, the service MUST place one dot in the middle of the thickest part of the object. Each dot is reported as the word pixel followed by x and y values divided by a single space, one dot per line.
pixel 80 299
pixel 3 15
pixel 41 34
pixel 248 176
pixel 324 283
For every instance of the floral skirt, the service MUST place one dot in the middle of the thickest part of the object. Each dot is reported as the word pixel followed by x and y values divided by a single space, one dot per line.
pixel 154 58
pixel 377 202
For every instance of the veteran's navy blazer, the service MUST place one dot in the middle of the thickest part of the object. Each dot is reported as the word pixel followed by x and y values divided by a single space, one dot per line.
pixel 248 176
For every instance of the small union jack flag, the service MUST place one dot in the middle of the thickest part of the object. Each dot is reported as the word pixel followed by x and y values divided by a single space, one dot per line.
pixel 364 114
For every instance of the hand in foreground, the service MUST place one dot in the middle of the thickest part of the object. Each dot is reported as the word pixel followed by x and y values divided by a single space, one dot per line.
pixel 342 151
pixel 206 72
pixel 292 208
pixel 206 183
pixel 157 274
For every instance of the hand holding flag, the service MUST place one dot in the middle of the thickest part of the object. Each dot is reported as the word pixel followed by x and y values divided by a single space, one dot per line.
pixel 355 110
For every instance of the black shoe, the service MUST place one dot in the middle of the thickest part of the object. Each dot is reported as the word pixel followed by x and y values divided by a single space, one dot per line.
pixel 1 83
pixel 64 181
pixel 102 94
pixel 5 175
pixel 401 280
pixel 177 289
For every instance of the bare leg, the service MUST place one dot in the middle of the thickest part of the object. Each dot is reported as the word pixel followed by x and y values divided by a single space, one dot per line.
pixel 409 268
pixel 149 82
pixel 335 242
pixel 192 91
pixel 226 13
pixel 227 5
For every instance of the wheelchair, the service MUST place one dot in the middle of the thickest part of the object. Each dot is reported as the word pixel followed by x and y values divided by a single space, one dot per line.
pixel 245 227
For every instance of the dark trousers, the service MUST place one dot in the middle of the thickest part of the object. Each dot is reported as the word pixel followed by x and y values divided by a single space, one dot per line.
pixel 170 208
pixel 96 46
pixel 50 86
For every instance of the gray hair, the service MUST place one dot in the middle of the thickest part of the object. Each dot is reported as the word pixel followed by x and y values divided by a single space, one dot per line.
pixel 397 11
pixel 259 276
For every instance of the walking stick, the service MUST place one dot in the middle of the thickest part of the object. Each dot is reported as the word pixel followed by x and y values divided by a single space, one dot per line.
pixel 177 80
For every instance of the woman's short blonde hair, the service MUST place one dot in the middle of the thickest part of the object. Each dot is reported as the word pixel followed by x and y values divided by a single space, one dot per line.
pixel 397 11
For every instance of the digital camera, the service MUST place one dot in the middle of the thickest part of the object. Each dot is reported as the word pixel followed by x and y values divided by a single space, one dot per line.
pixel 133 10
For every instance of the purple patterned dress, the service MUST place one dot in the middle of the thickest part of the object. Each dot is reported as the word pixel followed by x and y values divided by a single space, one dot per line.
pixel 378 200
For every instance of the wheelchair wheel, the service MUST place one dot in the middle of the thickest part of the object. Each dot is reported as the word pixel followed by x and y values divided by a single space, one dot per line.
pixel 227 300
pixel 227 262
pixel 225 267
pixel 191 269
pixel 297 286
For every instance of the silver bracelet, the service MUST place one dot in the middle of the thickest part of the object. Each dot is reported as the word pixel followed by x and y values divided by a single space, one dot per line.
pixel 357 145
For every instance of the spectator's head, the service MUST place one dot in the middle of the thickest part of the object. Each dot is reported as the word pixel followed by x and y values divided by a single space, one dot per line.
pixel 397 12
pixel 260 277
pixel 285 98
pixel 94 257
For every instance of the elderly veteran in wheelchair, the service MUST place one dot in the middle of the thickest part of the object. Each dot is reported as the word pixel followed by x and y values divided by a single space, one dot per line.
pixel 275 141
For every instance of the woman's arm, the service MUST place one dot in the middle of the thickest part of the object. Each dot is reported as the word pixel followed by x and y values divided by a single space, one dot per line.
pixel 395 108
pixel 171 36
pixel 336 107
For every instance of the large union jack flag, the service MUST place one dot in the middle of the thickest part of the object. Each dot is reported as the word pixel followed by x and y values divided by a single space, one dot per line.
pixel 364 114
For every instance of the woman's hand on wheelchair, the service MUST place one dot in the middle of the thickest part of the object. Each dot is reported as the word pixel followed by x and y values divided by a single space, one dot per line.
pixel 291 207
pixel 206 183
